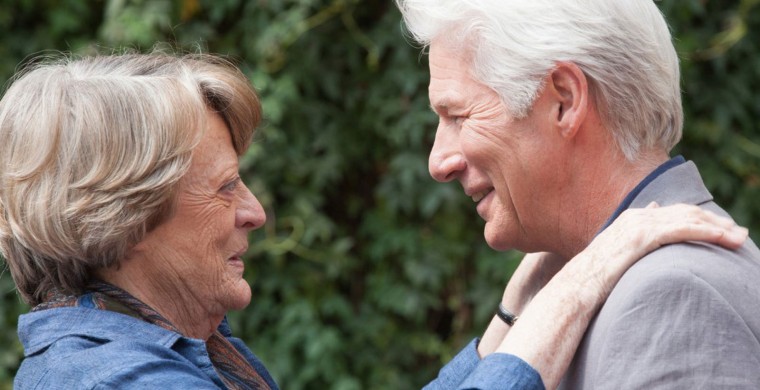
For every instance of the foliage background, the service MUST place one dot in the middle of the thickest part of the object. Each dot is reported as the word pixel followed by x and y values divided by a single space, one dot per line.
pixel 368 274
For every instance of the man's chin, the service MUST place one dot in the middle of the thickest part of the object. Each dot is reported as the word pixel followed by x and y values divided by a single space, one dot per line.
pixel 497 241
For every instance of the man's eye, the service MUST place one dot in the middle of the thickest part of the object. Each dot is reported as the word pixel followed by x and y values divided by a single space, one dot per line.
pixel 451 119
pixel 456 119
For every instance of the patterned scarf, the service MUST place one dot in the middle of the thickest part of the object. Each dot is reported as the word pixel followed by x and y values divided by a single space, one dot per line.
pixel 236 372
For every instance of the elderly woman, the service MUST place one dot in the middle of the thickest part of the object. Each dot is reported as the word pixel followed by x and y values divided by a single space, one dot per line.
pixel 124 222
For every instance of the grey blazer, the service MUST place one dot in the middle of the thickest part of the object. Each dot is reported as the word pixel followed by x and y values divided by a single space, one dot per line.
pixel 687 316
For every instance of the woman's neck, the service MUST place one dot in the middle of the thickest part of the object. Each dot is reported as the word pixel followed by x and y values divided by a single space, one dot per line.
pixel 171 301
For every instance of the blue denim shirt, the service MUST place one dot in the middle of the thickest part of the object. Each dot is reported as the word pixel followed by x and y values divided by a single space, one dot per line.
pixel 88 348
pixel 497 371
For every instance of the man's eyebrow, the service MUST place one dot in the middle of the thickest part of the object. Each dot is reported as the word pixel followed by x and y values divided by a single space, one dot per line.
pixel 441 106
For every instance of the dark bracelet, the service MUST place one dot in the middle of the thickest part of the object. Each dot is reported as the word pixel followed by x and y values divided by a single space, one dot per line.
pixel 506 315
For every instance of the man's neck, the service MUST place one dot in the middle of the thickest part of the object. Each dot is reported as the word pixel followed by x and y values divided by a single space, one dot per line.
pixel 597 193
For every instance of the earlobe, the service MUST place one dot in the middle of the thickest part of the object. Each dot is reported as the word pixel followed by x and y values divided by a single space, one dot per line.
pixel 570 89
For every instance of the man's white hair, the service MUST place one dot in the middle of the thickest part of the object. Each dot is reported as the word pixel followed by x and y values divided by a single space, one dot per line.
pixel 623 46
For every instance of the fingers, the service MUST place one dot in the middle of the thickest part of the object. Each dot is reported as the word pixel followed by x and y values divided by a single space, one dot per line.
pixel 635 233
pixel 730 237
pixel 655 226
pixel 702 225
pixel 735 237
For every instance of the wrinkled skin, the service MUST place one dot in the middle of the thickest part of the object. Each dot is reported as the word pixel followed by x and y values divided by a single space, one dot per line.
pixel 513 164
pixel 190 267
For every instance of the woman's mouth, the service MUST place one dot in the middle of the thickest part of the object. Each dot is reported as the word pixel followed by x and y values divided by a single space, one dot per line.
pixel 236 261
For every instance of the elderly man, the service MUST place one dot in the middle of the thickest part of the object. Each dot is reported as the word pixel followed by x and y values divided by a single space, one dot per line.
pixel 555 117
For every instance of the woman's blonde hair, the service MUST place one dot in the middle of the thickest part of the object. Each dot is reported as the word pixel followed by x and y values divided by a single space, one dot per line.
pixel 91 151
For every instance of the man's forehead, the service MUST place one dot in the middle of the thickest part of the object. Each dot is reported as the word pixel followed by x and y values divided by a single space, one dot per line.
pixel 447 62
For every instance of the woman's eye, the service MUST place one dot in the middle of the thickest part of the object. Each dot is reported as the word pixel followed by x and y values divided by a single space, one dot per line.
pixel 231 185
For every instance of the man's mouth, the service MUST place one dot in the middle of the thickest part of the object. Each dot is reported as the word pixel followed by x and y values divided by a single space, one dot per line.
pixel 478 196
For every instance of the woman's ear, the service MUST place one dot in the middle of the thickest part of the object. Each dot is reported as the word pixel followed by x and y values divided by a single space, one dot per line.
pixel 569 87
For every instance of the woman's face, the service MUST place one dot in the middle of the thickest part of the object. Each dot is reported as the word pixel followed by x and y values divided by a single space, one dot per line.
pixel 197 253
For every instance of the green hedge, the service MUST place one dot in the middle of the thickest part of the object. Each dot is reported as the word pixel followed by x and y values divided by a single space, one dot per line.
pixel 369 274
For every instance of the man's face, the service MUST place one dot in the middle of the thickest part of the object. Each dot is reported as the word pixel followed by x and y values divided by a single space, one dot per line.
pixel 506 165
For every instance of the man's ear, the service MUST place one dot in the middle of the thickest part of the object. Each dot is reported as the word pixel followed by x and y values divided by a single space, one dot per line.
pixel 569 87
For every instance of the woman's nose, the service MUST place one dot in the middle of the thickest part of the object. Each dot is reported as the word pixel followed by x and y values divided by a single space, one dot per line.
pixel 249 214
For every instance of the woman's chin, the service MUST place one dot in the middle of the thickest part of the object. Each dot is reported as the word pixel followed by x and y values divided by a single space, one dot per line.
pixel 240 297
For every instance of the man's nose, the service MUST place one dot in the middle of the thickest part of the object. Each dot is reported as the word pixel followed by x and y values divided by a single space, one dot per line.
pixel 446 161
